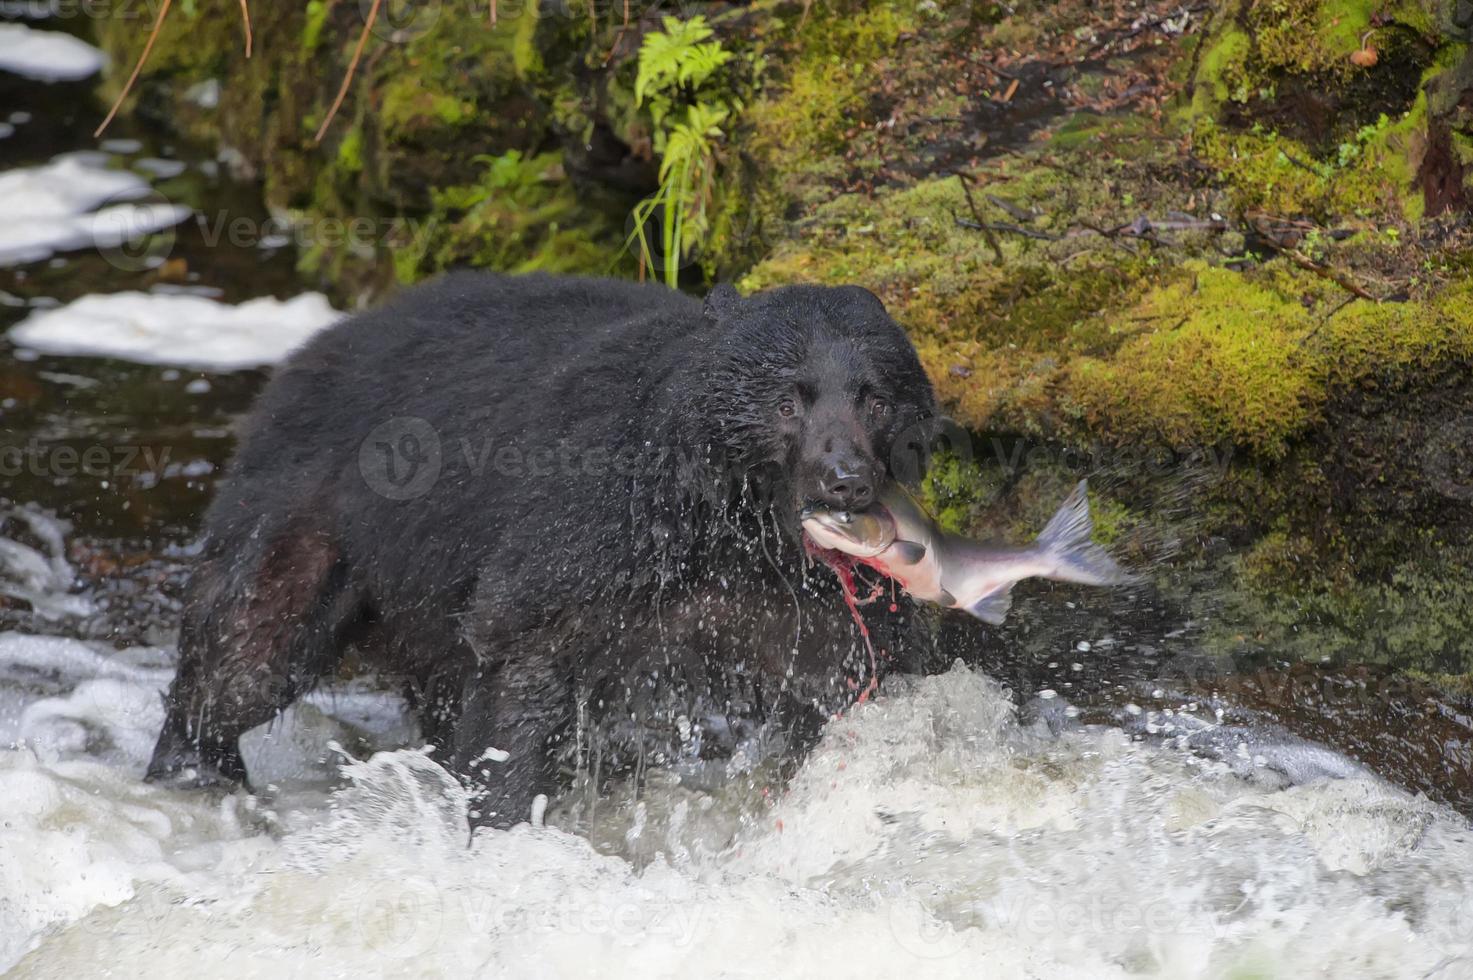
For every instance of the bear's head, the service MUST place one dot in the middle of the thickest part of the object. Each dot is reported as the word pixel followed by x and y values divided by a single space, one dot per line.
pixel 816 388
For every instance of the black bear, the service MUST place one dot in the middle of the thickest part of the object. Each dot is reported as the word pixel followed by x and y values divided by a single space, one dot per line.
pixel 530 496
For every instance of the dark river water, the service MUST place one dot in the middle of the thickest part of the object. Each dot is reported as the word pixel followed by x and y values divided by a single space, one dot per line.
pixel 1083 798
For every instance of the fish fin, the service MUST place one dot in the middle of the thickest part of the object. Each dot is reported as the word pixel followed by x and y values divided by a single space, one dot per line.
pixel 993 607
pixel 909 552
pixel 1066 539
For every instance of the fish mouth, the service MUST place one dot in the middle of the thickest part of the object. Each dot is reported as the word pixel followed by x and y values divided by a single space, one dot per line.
pixel 821 514
pixel 837 516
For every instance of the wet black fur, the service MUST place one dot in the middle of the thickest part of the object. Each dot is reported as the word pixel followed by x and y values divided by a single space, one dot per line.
pixel 646 538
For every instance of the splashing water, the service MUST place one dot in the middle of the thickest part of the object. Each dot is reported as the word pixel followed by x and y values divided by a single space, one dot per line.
pixel 33 565
pixel 929 829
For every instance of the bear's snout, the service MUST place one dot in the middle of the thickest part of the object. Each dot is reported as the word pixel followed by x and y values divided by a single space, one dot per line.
pixel 846 482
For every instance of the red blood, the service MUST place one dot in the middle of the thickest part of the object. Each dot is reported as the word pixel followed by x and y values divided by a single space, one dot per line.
pixel 844 567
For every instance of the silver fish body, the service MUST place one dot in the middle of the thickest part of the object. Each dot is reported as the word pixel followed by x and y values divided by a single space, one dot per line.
pixel 899 539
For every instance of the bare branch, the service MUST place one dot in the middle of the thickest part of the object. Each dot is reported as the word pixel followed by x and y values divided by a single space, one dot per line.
pixel 352 67
pixel 153 36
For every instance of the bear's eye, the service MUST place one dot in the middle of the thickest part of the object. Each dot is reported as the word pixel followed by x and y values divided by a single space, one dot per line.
pixel 787 408
pixel 879 408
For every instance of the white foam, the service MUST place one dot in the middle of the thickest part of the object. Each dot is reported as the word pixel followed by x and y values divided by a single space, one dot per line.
pixel 158 328
pixel 928 834
pixel 38 574
pixel 49 208
pixel 47 56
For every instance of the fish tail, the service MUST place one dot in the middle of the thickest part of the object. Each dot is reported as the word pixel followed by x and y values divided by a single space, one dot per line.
pixel 1066 542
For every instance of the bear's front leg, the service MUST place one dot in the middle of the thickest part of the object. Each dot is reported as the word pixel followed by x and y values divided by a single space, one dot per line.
pixel 511 716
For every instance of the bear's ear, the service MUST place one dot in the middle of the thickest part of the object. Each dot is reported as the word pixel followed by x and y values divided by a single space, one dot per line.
pixel 861 297
pixel 722 299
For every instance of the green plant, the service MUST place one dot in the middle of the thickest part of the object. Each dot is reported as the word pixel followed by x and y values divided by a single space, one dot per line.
pixel 674 64
pixel 687 174
pixel 677 59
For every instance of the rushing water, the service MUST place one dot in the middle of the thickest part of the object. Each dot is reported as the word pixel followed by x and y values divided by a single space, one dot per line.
pixel 942 828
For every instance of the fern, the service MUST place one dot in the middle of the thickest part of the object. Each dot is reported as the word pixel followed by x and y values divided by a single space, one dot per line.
pixel 673 65
pixel 678 56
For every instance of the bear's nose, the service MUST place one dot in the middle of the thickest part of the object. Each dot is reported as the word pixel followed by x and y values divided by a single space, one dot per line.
pixel 847 485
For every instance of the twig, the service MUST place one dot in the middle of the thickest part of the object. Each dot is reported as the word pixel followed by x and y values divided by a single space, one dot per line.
pixel 992 242
pixel 1304 341
pixel 1325 272
pixel 1339 278
pixel 153 36
pixel 985 226
pixel 1021 214
pixel 493 13
pixel 245 18
pixel 624 28
pixel 352 67
pixel 1300 163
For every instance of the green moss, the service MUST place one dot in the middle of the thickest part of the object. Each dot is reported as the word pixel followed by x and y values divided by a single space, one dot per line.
pixel 407 105
pixel 350 151
pixel 316 16
pixel 523 215
pixel 1112 519
pixel 1218 360
pixel 526 55
pixel 1248 363
pixel 1460 684
pixel 1309 36
pixel 1218 73
pixel 956 490
pixel 836 57
pixel 1419 616
pixel 1371 177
